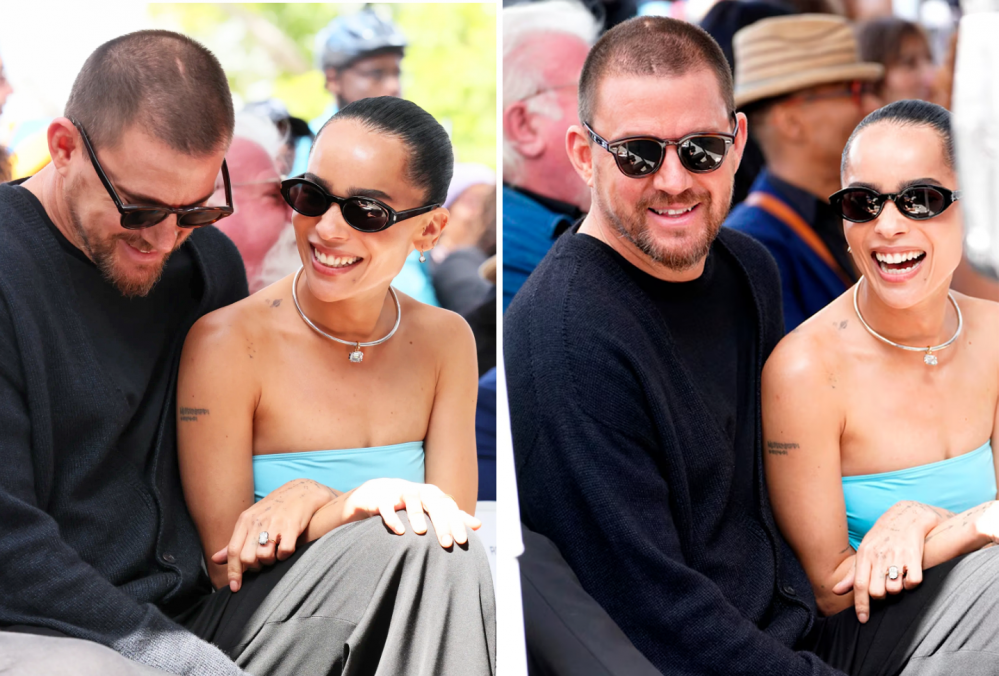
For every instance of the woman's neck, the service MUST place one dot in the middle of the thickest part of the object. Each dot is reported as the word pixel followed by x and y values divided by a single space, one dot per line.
pixel 362 318
pixel 930 322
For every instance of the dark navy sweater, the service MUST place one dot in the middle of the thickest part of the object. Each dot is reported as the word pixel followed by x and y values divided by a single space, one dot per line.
pixel 622 464
pixel 86 549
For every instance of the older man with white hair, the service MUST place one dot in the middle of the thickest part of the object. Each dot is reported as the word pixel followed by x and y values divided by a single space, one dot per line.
pixel 544 46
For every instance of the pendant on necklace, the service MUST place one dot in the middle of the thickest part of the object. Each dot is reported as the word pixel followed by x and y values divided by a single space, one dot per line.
pixel 356 356
pixel 929 358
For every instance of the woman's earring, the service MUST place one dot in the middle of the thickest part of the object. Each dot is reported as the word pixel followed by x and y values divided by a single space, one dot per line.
pixel 849 250
pixel 423 259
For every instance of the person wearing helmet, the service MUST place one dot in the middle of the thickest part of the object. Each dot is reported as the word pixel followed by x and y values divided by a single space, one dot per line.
pixel 361 56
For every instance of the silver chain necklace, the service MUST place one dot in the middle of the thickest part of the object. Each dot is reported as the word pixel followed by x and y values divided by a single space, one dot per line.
pixel 929 358
pixel 356 356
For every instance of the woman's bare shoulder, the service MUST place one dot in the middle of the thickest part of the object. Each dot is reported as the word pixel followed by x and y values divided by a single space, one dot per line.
pixel 809 351
pixel 432 321
pixel 244 320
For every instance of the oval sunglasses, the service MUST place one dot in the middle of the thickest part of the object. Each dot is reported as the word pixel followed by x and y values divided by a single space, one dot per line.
pixel 917 202
pixel 364 214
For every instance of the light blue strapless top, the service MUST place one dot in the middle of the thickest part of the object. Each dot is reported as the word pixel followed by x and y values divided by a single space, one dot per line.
pixel 341 470
pixel 956 484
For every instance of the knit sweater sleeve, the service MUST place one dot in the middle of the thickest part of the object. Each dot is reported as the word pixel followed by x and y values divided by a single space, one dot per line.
pixel 592 478
pixel 44 582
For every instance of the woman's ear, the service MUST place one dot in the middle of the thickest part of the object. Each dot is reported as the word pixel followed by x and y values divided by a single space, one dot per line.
pixel 427 237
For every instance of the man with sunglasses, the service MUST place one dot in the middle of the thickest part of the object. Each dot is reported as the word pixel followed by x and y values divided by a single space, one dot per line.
pixel 804 89
pixel 633 359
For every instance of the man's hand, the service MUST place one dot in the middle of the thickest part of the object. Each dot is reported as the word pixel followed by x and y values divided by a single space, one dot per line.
pixel 895 540
pixel 283 515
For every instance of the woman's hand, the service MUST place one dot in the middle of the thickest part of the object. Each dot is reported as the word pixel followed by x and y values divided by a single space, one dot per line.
pixel 284 515
pixel 895 540
pixel 385 496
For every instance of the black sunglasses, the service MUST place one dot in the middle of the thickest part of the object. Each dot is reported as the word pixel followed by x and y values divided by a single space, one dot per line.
pixel 137 217
pixel 640 156
pixel 361 213
pixel 918 202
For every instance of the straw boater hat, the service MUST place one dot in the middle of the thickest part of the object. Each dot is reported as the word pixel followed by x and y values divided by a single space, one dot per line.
pixel 786 54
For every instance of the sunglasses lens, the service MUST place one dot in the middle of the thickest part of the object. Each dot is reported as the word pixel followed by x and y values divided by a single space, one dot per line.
pixel 639 157
pixel 305 198
pixel 859 206
pixel 703 153
pixel 365 215
pixel 147 218
pixel 922 202
pixel 196 219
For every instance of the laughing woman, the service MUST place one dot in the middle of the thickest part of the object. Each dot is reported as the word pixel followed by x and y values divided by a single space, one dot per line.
pixel 327 401
pixel 880 413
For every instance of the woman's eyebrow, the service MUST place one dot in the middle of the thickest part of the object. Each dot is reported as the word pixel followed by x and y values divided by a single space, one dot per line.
pixel 368 192
pixel 919 181
pixel 309 176
pixel 862 184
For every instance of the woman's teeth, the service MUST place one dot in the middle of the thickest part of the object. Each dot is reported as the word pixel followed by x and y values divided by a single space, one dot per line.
pixel 892 263
pixel 334 261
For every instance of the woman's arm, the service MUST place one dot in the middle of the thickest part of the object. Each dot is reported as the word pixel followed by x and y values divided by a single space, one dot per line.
pixel 216 398
pixel 802 423
pixel 451 460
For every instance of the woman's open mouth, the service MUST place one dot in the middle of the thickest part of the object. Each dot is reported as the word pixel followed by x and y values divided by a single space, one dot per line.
pixel 899 263
pixel 335 262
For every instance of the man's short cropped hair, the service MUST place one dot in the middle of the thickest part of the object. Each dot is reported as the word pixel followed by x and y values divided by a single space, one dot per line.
pixel 653 46
pixel 166 83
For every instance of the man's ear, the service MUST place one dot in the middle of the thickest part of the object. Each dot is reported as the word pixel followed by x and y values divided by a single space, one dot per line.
pixel 580 152
pixel 333 81
pixel 741 136
pixel 520 130
pixel 64 140
pixel 427 238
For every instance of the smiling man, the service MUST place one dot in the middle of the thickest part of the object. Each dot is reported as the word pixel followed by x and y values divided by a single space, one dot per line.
pixel 104 266
pixel 633 356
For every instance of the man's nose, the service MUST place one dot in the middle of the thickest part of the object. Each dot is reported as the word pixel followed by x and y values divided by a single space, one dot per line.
pixel 672 178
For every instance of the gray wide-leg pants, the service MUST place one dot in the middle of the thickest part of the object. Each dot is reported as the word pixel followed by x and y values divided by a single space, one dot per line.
pixel 361 601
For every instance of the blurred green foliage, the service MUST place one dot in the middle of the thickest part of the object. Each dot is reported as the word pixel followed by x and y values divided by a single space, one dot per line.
pixel 267 50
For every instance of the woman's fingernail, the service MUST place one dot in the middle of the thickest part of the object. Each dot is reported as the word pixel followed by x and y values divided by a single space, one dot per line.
pixel 233 586
pixel 862 617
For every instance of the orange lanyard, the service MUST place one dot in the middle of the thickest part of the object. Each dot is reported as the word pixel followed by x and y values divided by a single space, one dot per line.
pixel 782 212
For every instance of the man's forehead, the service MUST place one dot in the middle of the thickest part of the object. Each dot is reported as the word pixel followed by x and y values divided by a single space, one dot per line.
pixel 249 161
pixel 660 105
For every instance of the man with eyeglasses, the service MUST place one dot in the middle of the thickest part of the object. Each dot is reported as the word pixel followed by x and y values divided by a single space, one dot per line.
pixel 544 46
pixel 361 56
pixel 804 89
pixel 633 359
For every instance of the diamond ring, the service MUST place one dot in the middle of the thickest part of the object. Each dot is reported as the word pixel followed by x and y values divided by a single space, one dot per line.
pixel 265 537
pixel 892 572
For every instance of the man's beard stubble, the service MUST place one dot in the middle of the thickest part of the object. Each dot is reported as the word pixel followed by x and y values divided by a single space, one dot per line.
pixel 636 230
pixel 102 253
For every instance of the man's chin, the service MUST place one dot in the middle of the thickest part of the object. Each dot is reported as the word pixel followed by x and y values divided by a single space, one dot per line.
pixel 132 281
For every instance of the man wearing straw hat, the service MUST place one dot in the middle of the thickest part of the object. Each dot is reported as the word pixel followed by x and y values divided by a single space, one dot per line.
pixel 633 358
pixel 803 87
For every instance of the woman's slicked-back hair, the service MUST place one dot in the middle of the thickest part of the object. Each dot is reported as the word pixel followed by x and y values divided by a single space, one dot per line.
pixel 172 87
pixel 431 158
pixel 910 113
